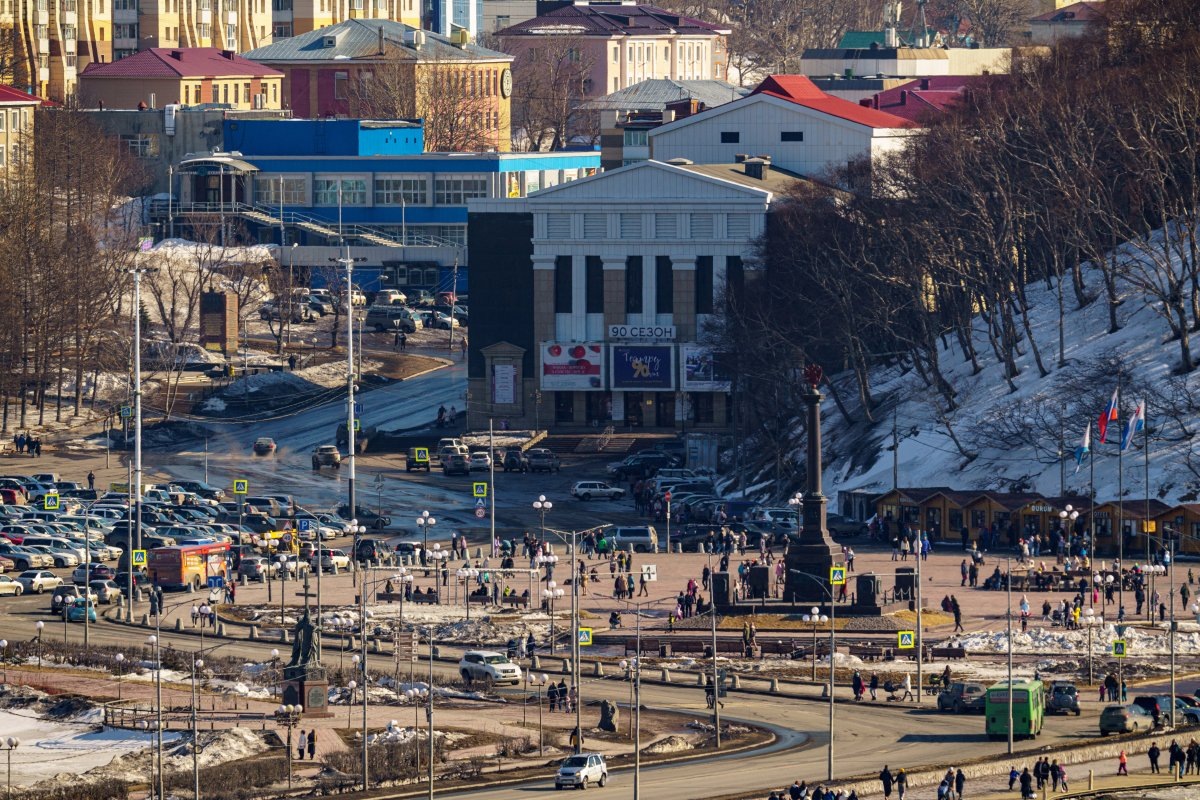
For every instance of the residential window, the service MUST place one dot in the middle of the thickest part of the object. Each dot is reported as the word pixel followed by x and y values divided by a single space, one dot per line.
pixel 562 285
pixel 69 59
pixel 140 145
pixel 41 31
pixel 664 285
pixel 281 5
pixel 3 117
pixel 203 30
pixel 734 278
pixel 356 5
pixel 2 161
pixel 283 31
pixel 266 191
pixel 325 191
pixel 401 191
pixel 637 138
pixel 125 30
pixel 704 284
pixel 633 285
pixel 340 81
pixel 791 136
pixel 731 137
pixel 594 286
pixel 502 21
pixel 456 190
pixel 616 54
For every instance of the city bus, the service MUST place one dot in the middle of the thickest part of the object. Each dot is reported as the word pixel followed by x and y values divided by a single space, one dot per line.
pixel 1028 709
pixel 189 566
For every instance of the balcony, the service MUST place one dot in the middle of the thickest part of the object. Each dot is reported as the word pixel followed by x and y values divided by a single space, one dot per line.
pixel 125 15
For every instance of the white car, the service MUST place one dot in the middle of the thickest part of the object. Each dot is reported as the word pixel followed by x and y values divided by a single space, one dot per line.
pixel 581 771
pixel 586 490
pixel 9 586
pixel 488 666
pixel 479 460
pixel 334 558
pixel 38 580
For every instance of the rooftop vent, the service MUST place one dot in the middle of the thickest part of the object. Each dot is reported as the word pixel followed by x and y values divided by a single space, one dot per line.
pixel 680 162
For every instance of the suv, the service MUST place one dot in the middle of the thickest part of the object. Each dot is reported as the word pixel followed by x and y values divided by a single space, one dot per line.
pixel 543 460
pixel 580 771
pixel 418 458
pixel 326 455
pixel 1064 698
pixel 515 460
pixel 1157 706
pixel 257 568
pixel 264 446
pixel 638 539
pixel 962 697
pixel 586 490
pixel 455 464
pixel 1124 719
pixel 488 666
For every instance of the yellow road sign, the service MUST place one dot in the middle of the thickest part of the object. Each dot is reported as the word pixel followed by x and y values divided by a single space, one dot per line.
pixel 906 640
pixel 585 637
pixel 50 502
pixel 1118 648
pixel 139 558
pixel 241 486
pixel 479 489
pixel 837 576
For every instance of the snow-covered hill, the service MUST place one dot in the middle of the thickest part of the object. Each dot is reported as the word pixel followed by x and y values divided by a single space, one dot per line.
pixel 1016 435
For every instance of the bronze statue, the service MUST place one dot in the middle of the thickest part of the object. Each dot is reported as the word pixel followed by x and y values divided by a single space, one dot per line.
pixel 304 649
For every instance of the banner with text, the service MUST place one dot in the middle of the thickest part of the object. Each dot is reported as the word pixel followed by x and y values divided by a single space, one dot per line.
pixel 704 370
pixel 573 366
pixel 637 367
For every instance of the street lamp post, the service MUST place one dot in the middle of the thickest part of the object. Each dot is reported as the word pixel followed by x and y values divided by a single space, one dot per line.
pixel 137 273
pixel 156 643
pixel 633 668
pixel 1008 615
pixel 275 671
pixel 352 685
pixel 550 594
pixel 712 613
pixel 1090 621
pixel 424 522
pixel 466 575
pixel 10 744
pixel 197 664
pixel 796 501
pixel 120 659
pixel 542 505
pixel 361 663
pixel 289 717
pixel 816 618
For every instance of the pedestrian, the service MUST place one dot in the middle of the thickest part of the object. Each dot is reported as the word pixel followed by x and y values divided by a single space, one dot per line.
pixel 908 695
pixel 1153 753
pixel 232 592
pixel 963 570
pixel 91 478
pixel 1013 776
pixel 960 780
pixel 292 362
pixel 901 783
pixel 1026 785
pixel 1062 778
pixel 885 778
pixel 303 744
pixel 798 790
pixel 958 626
pixel 874 685
pixel 1122 763
pixel 943 790
pixel 552 697
pixel 1054 772
pixel 195 615
pixel 857 684
pixel 312 744
pixel 403 341
pixel 153 603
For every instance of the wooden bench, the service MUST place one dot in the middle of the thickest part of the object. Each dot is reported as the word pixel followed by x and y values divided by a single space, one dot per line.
pixel 869 652
pixel 648 645
pixel 515 600
pixel 388 597
pixel 947 652
pixel 429 598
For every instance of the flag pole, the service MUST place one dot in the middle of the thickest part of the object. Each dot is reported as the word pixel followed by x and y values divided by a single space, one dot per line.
pixel 1092 513
pixel 1120 509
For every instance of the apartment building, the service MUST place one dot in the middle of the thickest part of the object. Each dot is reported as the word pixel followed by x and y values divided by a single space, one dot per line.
pixel 186 76
pixel 295 17
pixel 16 129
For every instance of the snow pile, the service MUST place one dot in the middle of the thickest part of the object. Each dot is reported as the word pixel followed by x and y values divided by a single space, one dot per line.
pixel 668 744
pixel 394 734
pixel 860 459
pixel 1059 640
pixel 329 376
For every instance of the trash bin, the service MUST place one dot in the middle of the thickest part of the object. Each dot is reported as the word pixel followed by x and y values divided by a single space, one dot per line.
pixel 664 650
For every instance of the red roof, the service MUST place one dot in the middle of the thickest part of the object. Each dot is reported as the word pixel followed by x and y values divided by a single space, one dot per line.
pixel 10 95
pixel 803 92
pixel 181 62
pixel 1076 12
pixel 919 99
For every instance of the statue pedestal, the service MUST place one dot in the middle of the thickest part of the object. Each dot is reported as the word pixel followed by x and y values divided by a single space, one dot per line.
pixel 311 693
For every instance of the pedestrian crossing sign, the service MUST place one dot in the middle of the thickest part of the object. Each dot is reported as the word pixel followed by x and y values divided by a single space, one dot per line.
pixel 585 637
pixel 479 489
pixel 1118 648
pixel 50 502
pixel 139 558
pixel 837 576
pixel 241 486
pixel 906 640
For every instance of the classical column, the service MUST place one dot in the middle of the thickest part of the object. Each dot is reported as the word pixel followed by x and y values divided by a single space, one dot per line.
pixel 614 290
pixel 683 273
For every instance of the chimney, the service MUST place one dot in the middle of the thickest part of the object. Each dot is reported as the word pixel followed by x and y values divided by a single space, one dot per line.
pixel 740 158
pixel 380 40
pixel 865 102
pixel 925 84
pixel 228 54
pixel 177 55
pixel 904 97
pixel 756 168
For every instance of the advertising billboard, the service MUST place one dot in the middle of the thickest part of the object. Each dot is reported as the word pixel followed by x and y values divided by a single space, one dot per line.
pixel 704 370
pixel 573 366
pixel 638 367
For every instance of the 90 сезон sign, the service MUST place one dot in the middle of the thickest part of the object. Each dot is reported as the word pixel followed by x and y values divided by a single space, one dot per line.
pixel 641 332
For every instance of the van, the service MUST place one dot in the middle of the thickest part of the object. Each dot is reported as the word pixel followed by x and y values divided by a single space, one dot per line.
pixel 392 318
pixel 636 538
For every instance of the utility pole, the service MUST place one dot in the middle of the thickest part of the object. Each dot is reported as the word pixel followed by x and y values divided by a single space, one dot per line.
pixel 895 453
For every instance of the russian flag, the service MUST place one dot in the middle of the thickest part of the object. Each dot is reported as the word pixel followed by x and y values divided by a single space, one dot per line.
pixel 1108 415
pixel 1083 449
pixel 1136 423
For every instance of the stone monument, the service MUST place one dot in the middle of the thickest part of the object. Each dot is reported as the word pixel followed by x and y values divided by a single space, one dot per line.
pixel 304 679
pixel 811 551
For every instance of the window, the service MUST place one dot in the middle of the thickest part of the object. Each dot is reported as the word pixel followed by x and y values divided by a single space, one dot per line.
pixel 637 138
pixel 502 21
pixel 325 191
pixel 281 5
pixel 562 285
pixel 69 59
pixel 616 54
pixel 734 278
pixel 633 285
pixel 664 285
pixel 704 284
pixel 3 117
pixel 401 191
pixel 203 30
pixel 730 137
pixel 702 406
pixel 356 5
pixel 340 80
pixel 41 31
pixel 456 190
pixel 141 145
pixel 125 5
pixel 266 191
pixel 791 136
pixel 125 31
pixel 2 161
pixel 594 285
pixel 631 226
pixel 283 31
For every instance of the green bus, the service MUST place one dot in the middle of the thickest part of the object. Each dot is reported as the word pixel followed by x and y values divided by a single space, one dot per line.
pixel 1028 709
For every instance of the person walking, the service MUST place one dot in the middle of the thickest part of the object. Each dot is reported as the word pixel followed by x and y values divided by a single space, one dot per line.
pixel 302 745
pixel 886 780
pixel 1122 763
pixel 1054 775
pixel 312 744
pixel 1153 753
pixel 960 781
pixel 901 783
pixel 874 685
pixel 1027 785
pixel 1013 777
pixel 91 479
pixel 958 626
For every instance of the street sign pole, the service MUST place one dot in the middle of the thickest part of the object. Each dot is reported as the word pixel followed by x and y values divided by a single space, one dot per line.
pixel 491 451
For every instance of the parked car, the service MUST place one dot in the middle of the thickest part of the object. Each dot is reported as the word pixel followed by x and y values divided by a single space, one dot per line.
pixel 326 455
pixel 392 318
pixel 82 574
pixel 9 586
pixel 480 459
pixel 1125 719
pixel 962 698
pixel 366 517
pixel 581 771
pixel 334 558
pixel 1063 698
pixel 488 666
pixel 107 591
pixel 24 559
pixel 543 460
pixel 63 596
pixel 515 460
pixel 264 446
pixel 586 490
pixel 39 580
pixel 257 568
pixel 79 608
pixel 637 538
pixel 455 464
pixel 390 297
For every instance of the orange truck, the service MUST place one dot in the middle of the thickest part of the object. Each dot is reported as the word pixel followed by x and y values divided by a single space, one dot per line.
pixel 189 566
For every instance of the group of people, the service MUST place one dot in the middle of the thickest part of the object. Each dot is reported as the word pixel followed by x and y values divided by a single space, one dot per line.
pixel 204 615
pixel 1045 771
pixel 1181 760
pixel 561 697
pixel 307 741
pixel 801 791
pixel 28 443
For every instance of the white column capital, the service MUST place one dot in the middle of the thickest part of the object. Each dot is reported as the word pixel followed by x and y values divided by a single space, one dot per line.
pixel 543 261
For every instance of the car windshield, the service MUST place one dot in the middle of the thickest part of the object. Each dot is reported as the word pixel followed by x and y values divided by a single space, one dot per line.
pixel 495 660
pixel 576 761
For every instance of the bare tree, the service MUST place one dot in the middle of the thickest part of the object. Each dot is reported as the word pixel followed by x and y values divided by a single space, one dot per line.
pixel 549 82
